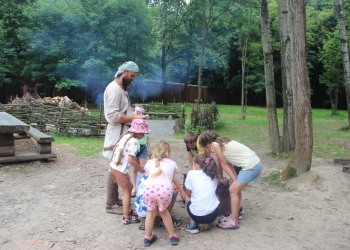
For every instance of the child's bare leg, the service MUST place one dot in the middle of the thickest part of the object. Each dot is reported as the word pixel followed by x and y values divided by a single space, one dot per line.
pixel 149 223
pixel 236 197
pixel 134 176
pixel 143 161
pixel 168 223
pixel 126 200
pixel 171 205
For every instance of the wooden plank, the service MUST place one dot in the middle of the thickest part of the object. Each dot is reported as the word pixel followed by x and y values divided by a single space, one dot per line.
pixel 342 161
pixel 10 123
pixel 43 148
pixel 27 157
pixel 39 136
pixel 7 151
pixel 7 139
pixel 346 169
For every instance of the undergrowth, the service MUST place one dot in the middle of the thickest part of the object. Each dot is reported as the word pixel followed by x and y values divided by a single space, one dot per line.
pixel 274 179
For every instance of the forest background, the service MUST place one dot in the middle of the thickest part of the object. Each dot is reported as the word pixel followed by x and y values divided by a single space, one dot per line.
pixel 74 47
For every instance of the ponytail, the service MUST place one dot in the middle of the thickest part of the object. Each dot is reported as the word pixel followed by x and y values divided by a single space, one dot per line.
pixel 207 164
pixel 161 150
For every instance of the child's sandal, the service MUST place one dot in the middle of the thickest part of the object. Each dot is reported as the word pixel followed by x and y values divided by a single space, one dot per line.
pixel 134 218
pixel 126 221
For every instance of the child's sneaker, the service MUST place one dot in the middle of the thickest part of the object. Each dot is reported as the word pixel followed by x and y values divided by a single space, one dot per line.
pixel 192 228
pixel 229 224
pixel 174 240
pixel 225 217
pixel 147 241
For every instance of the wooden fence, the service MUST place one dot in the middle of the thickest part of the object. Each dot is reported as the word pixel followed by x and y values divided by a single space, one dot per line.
pixel 69 122
pixel 62 121
pixel 175 93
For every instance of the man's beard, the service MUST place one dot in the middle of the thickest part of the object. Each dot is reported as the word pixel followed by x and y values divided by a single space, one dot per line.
pixel 126 83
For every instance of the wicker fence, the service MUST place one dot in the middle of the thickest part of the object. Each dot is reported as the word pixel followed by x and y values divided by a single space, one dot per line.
pixel 66 121
pixel 61 121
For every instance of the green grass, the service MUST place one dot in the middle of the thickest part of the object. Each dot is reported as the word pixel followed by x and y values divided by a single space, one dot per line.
pixel 81 146
pixel 25 170
pixel 273 179
pixel 331 140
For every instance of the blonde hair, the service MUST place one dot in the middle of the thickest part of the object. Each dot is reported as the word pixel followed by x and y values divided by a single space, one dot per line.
pixel 161 150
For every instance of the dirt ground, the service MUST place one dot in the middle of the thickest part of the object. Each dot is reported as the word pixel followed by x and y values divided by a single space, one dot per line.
pixel 61 205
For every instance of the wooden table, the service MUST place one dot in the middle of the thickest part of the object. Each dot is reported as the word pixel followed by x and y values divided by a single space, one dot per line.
pixel 8 126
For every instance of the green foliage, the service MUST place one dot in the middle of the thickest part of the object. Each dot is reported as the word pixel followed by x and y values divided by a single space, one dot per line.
pixel 81 43
pixel 66 83
pixel 330 56
pixel 274 179
pixel 25 170
pixel 202 117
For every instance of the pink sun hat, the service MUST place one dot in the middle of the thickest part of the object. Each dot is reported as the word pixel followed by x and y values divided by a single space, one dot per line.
pixel 139 126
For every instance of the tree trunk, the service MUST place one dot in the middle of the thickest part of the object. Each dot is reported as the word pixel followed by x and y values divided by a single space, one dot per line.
pixel 275 144
pixel 302 157
pixel 344 51
pixel 163 76
pixel 244 49
pixel 205 35
pixel 288 141
pixel 189 56
pixel 334 100
pixel 187 78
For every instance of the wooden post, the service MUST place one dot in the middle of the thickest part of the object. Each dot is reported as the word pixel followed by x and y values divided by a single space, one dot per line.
pixel 7 144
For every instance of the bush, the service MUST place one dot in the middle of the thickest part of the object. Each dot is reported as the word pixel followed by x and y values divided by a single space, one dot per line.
pixel 203 117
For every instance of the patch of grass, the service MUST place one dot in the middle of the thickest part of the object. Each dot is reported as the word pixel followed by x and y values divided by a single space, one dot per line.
pixel 4 169
pixel 90 146
pixel 274 179
pixel 25 170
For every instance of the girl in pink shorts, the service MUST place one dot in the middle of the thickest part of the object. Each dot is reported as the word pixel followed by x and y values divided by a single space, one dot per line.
pixel 158 191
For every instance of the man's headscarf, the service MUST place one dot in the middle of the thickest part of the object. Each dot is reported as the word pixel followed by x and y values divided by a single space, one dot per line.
pixel 129 66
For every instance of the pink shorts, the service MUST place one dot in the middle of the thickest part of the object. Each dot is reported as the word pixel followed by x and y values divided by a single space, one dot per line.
pixel 157 196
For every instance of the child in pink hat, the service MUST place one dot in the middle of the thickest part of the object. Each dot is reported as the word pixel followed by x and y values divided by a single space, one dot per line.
pixel 123 158
pixel 143 152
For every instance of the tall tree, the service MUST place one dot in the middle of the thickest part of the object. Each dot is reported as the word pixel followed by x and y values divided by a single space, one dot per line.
pixel 190 20
pixel 333 76
pixel 345 53
pixel 288 139
pixel 209 16
pixel 167 29
pixel 275 144
pixel 302 156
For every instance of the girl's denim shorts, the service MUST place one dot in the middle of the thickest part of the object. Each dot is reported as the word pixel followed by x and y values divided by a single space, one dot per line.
pixel 143 152
pixel 250 175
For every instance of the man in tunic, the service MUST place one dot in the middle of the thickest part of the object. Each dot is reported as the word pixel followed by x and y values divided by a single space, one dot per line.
pixel 118 115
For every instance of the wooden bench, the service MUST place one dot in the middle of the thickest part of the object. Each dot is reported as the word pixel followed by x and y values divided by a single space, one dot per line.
pixel 43 141
pixel 163 114
pixel 10 126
